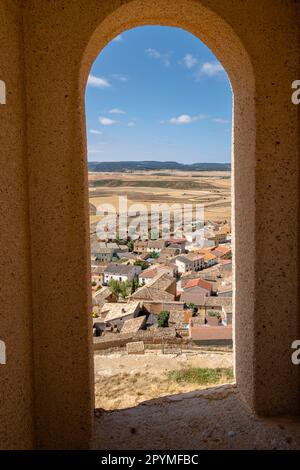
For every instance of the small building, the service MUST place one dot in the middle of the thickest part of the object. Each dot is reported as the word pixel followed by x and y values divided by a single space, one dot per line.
pixel 168 253
pixel 97 275
pixel 210 335
pixel 204 285
pixel 126 255
pixel 140 246
pixel 169 268
pixel 147 275
pixel 179 243
pixel 118 313
pixel 105 254
pixel 155 246
pixel 162 287
pixel 120 272
pixel 103 251
pixel 223 305
pixel 195 295
pixel 222 252
pixel 103 296
pixel 209 259
pixel 190 262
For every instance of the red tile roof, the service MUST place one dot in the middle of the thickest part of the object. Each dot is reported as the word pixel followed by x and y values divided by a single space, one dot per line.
pixel 198 283
pixel 177 240
pixel 149 273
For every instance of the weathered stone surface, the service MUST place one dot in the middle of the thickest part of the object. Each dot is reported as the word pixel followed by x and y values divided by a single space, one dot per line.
pixel 137 347
pixel 212 419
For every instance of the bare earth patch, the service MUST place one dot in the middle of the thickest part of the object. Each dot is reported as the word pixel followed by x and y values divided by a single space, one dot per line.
pixel 124 381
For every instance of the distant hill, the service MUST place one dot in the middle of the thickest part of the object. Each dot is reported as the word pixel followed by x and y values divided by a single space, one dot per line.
pixel 154 165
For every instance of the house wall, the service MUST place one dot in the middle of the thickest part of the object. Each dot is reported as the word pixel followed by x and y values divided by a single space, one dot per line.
pixel 116 277
pixel 259 49
pixel 121 277
pixel 183 267
pixel 156 307
pixel 210 333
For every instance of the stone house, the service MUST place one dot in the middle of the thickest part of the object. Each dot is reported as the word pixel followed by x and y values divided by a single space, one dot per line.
pixel 140 246
pixel 168 253
pixel 223 305
pixel 179 243
pixel 222 252
pixel 103 296
pixel 162 287
pixel 155 246
pixel 117 313
pixel 195 295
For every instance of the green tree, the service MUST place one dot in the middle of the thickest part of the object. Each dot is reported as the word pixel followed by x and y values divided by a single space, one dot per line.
pixel 135 283
pixel 125 289
pixel 163 318
pixel 130 245
pixel 114 287
pixel 192 307
pixel 142 263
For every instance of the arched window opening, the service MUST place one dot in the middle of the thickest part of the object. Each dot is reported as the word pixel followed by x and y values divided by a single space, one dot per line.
pixel 158 119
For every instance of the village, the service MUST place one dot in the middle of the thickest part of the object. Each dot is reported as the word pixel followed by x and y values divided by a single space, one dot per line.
pixel 169 292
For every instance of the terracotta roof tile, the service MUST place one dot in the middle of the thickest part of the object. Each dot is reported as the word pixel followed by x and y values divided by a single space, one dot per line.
pixel 199 283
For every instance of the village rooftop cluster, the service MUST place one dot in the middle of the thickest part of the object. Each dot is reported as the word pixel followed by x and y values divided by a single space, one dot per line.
pixel 163 290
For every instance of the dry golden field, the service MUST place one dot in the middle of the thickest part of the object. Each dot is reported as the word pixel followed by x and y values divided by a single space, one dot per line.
pixel 123 381
pixel 212 189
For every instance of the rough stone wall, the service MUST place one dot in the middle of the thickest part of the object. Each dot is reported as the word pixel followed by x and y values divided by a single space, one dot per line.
pixel 258 44
pixel 16 417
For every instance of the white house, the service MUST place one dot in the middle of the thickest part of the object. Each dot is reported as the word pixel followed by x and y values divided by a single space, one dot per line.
pixel 190 262
pixel 120 272
pixel 147 275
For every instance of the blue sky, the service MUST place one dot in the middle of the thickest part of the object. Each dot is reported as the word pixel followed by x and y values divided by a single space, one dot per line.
pixel 158 93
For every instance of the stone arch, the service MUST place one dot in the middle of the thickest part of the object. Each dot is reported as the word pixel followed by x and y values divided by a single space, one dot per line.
pixel 217 34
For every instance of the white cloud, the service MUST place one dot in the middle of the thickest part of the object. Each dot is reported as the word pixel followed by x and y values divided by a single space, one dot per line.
pixel 107 121
pixel 131 124
pixel 189 61
pixel 210 69
pixel 116 111
pixel 183 119
pixel 118 38
pixel 220 121
pixel 98 82
pixel 121 78
pixel 155 54
pixel 94 131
